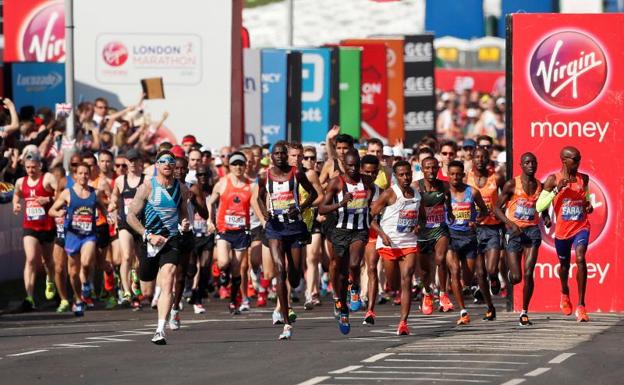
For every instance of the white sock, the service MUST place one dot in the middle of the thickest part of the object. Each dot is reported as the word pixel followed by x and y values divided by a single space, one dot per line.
pixel 463 311
pixel 523 312
pixel 157 292
pixel 161 325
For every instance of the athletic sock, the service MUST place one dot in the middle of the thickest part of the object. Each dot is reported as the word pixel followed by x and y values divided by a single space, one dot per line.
pixel 524 312
pixel 236 282
pixel 157 291
pixel 463 312
pixel 161 325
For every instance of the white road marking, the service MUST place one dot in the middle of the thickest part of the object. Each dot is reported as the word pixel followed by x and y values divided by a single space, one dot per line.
pixel 515 381
pixel 315 380
pixel 428 379
pixel 458 361
pixel 75 346
pixel 346 370
pixel 427 373
pixel 560 358
pixel 469 354
pixel 537 372
pixel 109 339
pixel 377 357
pixel 27 353
pixel 444 367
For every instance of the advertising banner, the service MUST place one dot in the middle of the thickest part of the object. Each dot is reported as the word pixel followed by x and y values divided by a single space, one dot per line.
pixel 374 90
pixel 460 80
pixel 252 87
pixel 38 84
pixel 274 93
pixel 315 94
pixel 565 91
pixel 523 6
pixel 462 19
pixel 350 91
pixel 190 47
pixel 419 87
pixel 34 30
pixel 293 96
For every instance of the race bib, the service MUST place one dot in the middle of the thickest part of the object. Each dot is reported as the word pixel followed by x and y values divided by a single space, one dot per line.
pixel 199 224
pixel 236 221
pixel 282 201
pixel 82 220
pixel 127 202
pixel 34 211
pixel 60 227
pixel 572 210
pixel 435 215
pixel 407 221
pixel 462 212
pixel 359 202
pixel 525 210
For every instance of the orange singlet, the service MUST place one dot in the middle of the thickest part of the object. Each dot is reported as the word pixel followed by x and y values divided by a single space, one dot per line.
pixel 521 208
pixel 569 206
pixel 234 206
pixel 489 193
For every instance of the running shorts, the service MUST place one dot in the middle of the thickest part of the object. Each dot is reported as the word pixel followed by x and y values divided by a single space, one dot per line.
pixel 428 238
pixel 74 242
pixel 42 236
pixel 170 253
pixel 392 254
pixel 489 238
pixel 103 236
pixel 464 243
pixel 293 235
pixel 564 246
pixel 203 243
pixel 342 239
pixel 238 240
pixel 256 233
pixel 531 236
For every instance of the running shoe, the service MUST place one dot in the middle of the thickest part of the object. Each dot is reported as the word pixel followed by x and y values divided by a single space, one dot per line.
pixel 324 284
pixel 524 320
pixel 337 308
pixel 490 314
pixel 87 289
pixel 343 323
pixel 581 314
pixel 262 299
pixel 159 338
pixel 63 306
pixel 278 319
pixel 403 329
pixel 233 309
pixel 369 318
pixel 251 291
pixel 109 281
pixel 135 304
pixel 566 305
pixel 198 308
pixel 292 316
pixel 88 301
pixel 354 299
pixel 382 299
pixel 245 304
pixel 110 302
pixel 427 304
pixel 136 286
pixel 174 319
pixel 308 305
pixel 445 303
pixel 79 309
pixel 50 290
pixel 495 285
pixel 316 301
pixel 154 303
pixel 464 318
pixel 287 333
pixel 476 293
pixel 28 304
pixel 126 300
pixel 224 292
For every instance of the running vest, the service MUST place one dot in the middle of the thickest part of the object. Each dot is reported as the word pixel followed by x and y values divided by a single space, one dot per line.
pixel 282 196
pixel 434 205
pixel 234 204
pixel 36 215
pixel 569 208
pixel 254 221
pixel 463 210
pixel 199 225
pixel 521 207
pixel 355 215
pixel 127 195
pixel 161 209
pixel 81 212
pixel 489 193
pixel 400 219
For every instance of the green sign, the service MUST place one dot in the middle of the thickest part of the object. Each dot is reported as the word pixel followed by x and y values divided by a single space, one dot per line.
pixel 349 62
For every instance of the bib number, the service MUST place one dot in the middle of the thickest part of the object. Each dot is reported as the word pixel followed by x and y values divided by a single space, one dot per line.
pixel 82 223
pixel 234 221
pixel 525 210
pixel 435 216
pixel 34 211
pixel 572 210
pixel 407 221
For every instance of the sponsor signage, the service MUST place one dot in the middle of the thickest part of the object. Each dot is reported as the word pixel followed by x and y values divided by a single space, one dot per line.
pixel 564 82
pixel 315 93
pixel 460 80
pixel 274 95
pixel 418 87
pixel 442 17
pixel 373 89
pixel 349 62
pixel 252 88
pixel 38 84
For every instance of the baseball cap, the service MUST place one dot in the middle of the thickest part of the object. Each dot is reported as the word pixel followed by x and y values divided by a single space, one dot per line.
pixel 34 156
pixel 189 139
pixel 469 143
pixel 237 157
pixel 133 154
pixel 387 151
pixel 178 151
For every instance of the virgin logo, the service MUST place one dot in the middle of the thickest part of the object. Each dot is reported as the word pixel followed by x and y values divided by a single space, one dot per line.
pixel 43 34
pixel 115 54
pixel 568 70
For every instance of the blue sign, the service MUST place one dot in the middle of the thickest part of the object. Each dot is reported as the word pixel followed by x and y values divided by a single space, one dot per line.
pixel 38 84
pixel 524 6
pixel 274 82
pixel 462 19
pixel 315 94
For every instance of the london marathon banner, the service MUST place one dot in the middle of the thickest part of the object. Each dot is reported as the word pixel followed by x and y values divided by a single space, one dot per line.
pixel 374 89
pixel 315 93
pixel 349 104
pixel 418 87
pixel 274 93
pixel 566 90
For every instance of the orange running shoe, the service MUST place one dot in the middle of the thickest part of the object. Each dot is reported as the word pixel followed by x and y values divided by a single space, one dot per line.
pixel 566 305
pixel 464 319
pixel 445 303
pixel 581 314
pixel 427 304
pixel 109 281
pixel 251 291
pixel 262 299
pixel 403 330
pixel 369 318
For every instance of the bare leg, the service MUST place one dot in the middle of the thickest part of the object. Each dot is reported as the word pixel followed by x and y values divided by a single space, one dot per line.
pixel 406 265
pixel 60 271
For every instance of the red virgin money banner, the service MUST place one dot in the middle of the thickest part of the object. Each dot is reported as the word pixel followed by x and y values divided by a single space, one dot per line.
pixel 447 79
pixel 566 87
pixel 374 84
pixel 34 31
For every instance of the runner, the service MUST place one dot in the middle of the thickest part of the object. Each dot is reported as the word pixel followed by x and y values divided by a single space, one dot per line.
pixel 350 197
pixel 37 189
pixel 434 236
pixel 284 228
pixel 463 244
pixel 123 193
pixel 568 191
pixel 58 251
pixel 523 235
pixel 448 151
pixel 233 194
pixel 161 202
pixel 78 205
pixel 397 240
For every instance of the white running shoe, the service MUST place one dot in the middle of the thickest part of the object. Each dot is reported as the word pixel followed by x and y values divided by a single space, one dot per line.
pixel 174 319
pixel 287 333
pixel 199 308
pixel 159 338
pixel 245 305
pixel 278 319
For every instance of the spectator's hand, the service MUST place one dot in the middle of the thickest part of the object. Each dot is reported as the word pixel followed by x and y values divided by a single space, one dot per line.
pixel 331 134
pixel 165 115
pixel 8 104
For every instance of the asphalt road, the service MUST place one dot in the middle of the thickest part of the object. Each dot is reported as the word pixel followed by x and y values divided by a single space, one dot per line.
pixel 112 347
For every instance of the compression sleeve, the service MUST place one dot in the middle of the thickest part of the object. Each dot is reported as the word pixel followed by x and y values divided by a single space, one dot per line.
pixel 544 200
pixel 587 194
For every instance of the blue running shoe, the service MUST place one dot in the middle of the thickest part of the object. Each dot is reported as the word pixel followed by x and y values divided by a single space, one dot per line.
pixel 343 323
pixel 354 298
pixel 86 290
pixel 79 309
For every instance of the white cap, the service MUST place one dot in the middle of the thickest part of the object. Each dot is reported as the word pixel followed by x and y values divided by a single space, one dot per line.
pixel 445 96
pixel 387 151
pixel 217 161
pixel 500 101
pixel 502 157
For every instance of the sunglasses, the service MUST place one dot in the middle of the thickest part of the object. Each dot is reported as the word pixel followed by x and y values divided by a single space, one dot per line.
pixel 486 146
pixel 121 165
pixel 166 160
pixel 238 164
pixel 202 174
pixel 309 158
pixel 447 153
